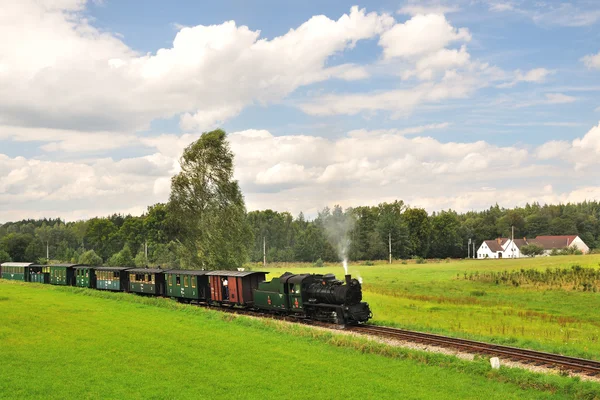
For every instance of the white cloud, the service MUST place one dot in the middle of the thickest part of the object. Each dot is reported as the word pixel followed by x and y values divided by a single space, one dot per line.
pixel 592 61
pixel 559 98
pixel 565 14
pixel 501 7
pixel 422 34
pixel 536 75
pixel 402 102
pixel 85 79
pixel 300 172
pixel 68 141
pixel 582 152
pixel 416 8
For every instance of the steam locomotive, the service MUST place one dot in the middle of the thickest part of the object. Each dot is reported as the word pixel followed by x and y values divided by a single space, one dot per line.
pixel 307 296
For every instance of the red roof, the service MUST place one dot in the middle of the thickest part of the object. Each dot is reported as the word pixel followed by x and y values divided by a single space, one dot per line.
pixel 494 245
pixel 554 242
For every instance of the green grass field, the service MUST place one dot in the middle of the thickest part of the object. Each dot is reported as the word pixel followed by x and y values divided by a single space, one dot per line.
pixel 430 297
pixel 84 344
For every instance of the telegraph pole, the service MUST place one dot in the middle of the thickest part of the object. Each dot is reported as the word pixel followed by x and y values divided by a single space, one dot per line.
pixel 146 251
pixel 390 245
pixel 469 249
pixel 473 249
pixel 47 251
pixel 264 251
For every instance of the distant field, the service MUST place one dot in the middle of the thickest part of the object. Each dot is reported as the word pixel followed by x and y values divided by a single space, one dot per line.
pixel 79 343
pixel 436 297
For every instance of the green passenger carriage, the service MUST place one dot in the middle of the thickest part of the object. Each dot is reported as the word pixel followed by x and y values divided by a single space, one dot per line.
pixel 85 276
pixel 187 285
pixel 147 281
pixel 63 274
pixel 39 273
pixel 112 278
pixel 16 271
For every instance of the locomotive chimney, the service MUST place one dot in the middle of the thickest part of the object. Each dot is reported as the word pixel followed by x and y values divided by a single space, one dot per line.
pixel 348 279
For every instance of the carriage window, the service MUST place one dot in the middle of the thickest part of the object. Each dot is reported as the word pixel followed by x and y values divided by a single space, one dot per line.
pixel 152 278
pixel 193 279
pixel 170 279
pixel 178 281
pixel 185 281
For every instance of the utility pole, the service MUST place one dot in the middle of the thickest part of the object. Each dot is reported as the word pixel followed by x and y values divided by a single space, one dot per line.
pixel 512 245
pixel 473 249
pixel 146 251
pixel 469 249
pixel 47 251
pixel 390 246
pixel 264 251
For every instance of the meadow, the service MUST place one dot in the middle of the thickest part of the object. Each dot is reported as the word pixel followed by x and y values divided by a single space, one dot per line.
pixel 441 297
pixel 63 342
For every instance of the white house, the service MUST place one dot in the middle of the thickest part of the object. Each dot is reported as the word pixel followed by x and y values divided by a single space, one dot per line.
pixel 507 248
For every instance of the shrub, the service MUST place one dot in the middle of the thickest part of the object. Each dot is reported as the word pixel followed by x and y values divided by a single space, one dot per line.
pixel 319 263
pixel 124 258
pixel 368 263
pixel 420 260
pixel 90 258
pixel 4 257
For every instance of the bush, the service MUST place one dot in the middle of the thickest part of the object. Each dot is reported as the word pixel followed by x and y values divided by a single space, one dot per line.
pixel 532 250
pixel 318 263
pixel 4 257
pixel 420 260
pixel 124 258
pixel 368 263
pixel 90 258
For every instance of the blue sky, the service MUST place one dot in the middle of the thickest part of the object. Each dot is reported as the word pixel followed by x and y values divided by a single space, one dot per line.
pixel 445 104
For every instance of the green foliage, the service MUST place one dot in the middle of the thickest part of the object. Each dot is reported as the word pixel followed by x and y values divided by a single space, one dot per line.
pixel 123 258
pixel 208 206
pixel 420 260
pixel 532 250
pixel 4 257
pixel 90 258
pixel 319 263
pixel 574 278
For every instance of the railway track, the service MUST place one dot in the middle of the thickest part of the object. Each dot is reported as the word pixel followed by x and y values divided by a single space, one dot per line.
pixel 549 360
pixel 524 356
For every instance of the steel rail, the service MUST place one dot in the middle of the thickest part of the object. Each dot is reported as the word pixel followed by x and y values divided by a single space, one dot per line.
pixel 591 367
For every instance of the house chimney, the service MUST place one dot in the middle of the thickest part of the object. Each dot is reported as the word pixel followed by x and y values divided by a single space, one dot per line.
pixel 499 240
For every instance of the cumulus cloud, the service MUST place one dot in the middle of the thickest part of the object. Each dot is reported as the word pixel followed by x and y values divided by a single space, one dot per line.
pixel 582 152
pixel 304 173
pixel 422 34
pixel 592 61
pixel 85 79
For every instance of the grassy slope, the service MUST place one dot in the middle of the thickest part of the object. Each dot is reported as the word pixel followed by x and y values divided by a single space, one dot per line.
pixel 71 343
pixel 430 297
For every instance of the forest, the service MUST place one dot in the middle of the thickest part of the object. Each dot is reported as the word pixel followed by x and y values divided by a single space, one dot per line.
pixel 156 238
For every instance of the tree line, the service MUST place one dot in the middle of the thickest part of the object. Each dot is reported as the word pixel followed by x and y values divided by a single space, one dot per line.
pixel 156 238
pixel 205 225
